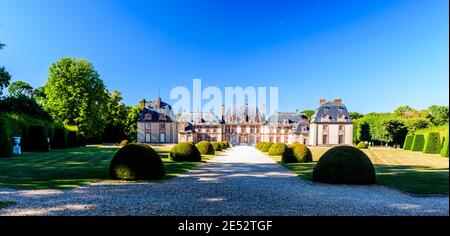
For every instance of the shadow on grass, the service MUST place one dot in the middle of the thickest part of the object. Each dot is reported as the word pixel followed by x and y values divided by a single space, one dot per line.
pixel 413 179
pixel 4 204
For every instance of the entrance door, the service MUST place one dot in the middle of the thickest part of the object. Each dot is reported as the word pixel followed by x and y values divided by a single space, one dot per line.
pixel 147 138
pixel 162 138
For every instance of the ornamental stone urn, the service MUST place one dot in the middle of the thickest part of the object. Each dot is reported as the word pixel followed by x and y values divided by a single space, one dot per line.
pixel 16 148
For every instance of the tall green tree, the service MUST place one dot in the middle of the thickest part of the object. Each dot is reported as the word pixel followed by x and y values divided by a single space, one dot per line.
pixel 308 113
pixel 394 131
pixel 5 77
pixel 438 115
pixel 131 122
pixel 117 118
pixel 20 88
pixel 406 112
pixel 76 96
pixel 355 115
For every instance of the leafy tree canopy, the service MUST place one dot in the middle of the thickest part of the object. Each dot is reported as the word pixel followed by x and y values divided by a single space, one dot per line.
pixel 308 113
pixel 75 95
pixel 5 77
pixel 438 115
pixel 20 88
pixel 355 115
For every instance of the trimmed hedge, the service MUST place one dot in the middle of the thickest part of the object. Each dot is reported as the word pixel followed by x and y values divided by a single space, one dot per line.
pixel 418 143
pixel 299 153
pixel 216 146
pixel 444 150
pixel 266 147
pixel 59 139
pixel 37 139
pixel 408 142
pixel 277 149
pixel 344 165
pixel 259 145
pixel 72 138
pixel 362 145
pixel 185 151
pixel 223 145
pixel 123 143
pixel 205 148
pixel 432 143
pixel 294 144
pixel 136 162
pixel 5 140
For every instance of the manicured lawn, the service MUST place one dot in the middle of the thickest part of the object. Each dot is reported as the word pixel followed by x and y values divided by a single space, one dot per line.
pixel 412 172
pixel 70 168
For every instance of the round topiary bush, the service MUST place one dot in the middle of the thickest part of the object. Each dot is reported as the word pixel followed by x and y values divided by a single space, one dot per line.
pixel 277 149
pixel 216 146
pixel 205 148
pixel 344 165
pixel 123 143
pixel 37 139
pixel 227 144
pixel 223 145
pixel 5 139
pixel 59 138
pixel 136 162
pixel 266 147
pixel 186 151
pixel 259 145
pixel 294 144
pixel 361 145
pixel 299 153
pixel 72 138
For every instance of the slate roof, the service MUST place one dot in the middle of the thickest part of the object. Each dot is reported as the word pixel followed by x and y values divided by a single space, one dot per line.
pixel 298 128
pixel 164 114
pixel 292 117
pixel 200 118
pixel 330 112
pixel 250 110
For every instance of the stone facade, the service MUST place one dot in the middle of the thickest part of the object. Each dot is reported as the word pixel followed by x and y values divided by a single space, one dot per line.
pixel 246 125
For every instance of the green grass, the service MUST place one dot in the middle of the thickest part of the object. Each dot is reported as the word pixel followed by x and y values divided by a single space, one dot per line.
pixel 6 204
pixel 69 168
pixel 414 179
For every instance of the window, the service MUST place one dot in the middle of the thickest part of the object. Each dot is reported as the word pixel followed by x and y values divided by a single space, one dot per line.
pixel 341 139
pixel 304 141
pixel 325 139
pixel 162 126
pixel 341 128
pixel 148 126
pixel 243 129
pixel 325 127
pixel 252 130
pixel 215 130
pixel 278 139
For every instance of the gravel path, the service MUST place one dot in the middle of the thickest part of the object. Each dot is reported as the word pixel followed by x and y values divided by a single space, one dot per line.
pixel 242 181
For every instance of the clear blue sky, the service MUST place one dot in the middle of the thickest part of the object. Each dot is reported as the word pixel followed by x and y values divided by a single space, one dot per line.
pixel 376 55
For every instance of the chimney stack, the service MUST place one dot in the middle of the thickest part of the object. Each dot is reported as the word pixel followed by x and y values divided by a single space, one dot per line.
pixel 223 112
pixel 142 103
pixel 158 103
pixel 322 101
pixel 337 101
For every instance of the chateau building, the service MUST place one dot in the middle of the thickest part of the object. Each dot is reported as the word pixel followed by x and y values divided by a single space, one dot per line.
pixel 246 125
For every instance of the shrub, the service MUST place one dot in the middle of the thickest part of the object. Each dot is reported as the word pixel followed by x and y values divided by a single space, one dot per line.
pixel 72 138
pixel 299 153
pixel 418 142
pixel 223 145
pixel 205 148
pixel 277 149
pixel 37 139
pixel 294 144
pixel 266 147
pixel 227 144
pixel 59 138
pixel 136 162
pixel 123 143
pixel 216 146
pixel 408 142
pixel 361 145
pixel 186 151
pixel 259 145
pixel 344 165
pixel 432 143
pixel 444 150
pixel 5 140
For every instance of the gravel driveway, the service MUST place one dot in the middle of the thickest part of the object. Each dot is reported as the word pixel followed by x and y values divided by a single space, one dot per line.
pixel 242 181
